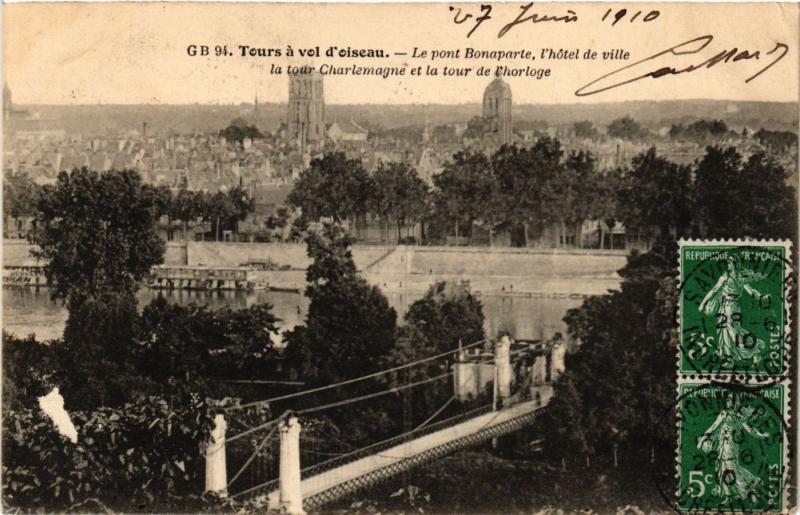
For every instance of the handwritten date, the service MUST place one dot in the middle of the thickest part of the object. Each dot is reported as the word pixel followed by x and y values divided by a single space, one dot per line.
pixel 527 16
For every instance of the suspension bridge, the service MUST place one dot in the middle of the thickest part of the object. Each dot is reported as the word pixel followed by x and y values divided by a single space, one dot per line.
pixel 301 460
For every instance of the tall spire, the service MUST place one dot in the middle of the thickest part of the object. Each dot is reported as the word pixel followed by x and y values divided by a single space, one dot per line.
pixel 256 113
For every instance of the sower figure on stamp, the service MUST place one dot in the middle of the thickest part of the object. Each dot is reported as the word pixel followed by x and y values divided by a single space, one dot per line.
pixel 734 342
pixel 724 438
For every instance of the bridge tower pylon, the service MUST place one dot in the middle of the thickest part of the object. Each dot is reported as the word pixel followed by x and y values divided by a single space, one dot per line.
pixel 216 467
pixel 502 359
pixel 291 496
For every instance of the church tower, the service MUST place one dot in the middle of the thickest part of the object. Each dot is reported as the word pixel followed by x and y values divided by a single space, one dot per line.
pixel 497 110
pixel 256 114
pixel 306 111
pixel 8 107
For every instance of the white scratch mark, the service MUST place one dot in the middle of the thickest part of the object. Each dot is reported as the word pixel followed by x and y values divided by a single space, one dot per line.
pixel 53 406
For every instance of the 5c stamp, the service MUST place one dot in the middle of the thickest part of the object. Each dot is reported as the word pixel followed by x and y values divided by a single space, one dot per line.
pixel 732 448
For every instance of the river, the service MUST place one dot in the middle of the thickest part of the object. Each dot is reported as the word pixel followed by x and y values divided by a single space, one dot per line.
pixel 30 311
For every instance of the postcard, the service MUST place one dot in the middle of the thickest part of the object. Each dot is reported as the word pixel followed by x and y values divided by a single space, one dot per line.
pixel 400 257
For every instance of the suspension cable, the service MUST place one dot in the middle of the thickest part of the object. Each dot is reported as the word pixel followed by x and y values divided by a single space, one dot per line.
pixel 371 395
pixel 438 411
pixel 253 456
pixel 337 404
pixel 257 428
pixel 350 381
pixel 391 438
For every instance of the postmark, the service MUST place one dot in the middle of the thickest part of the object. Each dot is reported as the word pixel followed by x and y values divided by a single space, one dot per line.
pixel 733 308
pixel 732 443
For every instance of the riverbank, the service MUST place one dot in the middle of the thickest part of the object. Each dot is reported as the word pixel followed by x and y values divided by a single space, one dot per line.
pixel 513 272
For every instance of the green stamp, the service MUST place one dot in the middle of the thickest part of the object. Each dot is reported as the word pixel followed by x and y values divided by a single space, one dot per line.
pixel 731 448
pixel 732 308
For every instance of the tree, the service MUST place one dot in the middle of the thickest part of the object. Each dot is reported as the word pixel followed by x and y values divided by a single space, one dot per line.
pixel 238 130
pixel 20 195
pixel 411 345
pixel 701 131
pixel 216 209
pixel 776 141
pixel 522 175
pixel 198 347
pixel 603 201
pixel 477 127
pixel 95 233
pixel 349 329
pixel 716 183
pixel 585 130
pixel 568 438
pixel 241 205
pixel 28 370
pixel 656 193
pixel 97 359
pixel 448 314
pixel 735 198
pixel 332 187
pixel 223 210
pixel 617 392
pixel 463 190
pixel 567 192
pixel 399 194
pixel 626 128
pixel 766 198
pixel 186 207
pixel 161 200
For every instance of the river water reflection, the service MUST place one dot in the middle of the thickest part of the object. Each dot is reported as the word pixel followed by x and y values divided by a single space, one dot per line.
pixel 27 310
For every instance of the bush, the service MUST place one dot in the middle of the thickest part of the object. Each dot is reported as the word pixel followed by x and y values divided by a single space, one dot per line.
pixel 28 370
pixel 447 314
pixel 132 456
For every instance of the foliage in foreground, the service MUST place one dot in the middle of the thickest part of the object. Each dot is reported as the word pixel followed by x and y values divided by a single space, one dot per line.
pixel 618 389
pixel 140 454
pixel 110 360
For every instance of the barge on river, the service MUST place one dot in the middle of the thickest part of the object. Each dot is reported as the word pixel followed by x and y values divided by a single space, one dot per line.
pixel 166 277
pixel 30 273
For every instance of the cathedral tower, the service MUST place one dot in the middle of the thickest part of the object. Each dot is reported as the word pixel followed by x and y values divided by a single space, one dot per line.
pixel 497 110
pixel 306 111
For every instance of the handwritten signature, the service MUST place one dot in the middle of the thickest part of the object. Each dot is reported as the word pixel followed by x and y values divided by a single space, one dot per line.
pixel 634 72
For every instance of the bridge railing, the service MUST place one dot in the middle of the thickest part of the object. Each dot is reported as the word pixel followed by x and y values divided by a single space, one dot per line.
pixel 376 448
pixel 370 450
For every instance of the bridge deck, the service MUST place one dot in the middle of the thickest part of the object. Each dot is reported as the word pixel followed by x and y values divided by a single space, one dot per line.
pixel 332 484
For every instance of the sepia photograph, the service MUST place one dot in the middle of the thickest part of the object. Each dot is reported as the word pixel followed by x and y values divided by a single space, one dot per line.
pixel 507 258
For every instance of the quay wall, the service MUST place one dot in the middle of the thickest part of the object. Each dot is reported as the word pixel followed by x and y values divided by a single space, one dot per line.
pixel 495 270
pixel 18 252
pixel 282 254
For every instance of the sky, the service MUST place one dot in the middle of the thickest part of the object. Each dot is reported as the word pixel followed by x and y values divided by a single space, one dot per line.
pixel 137 53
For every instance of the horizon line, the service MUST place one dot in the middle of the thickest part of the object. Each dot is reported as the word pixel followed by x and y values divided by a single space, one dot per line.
pixel 410 104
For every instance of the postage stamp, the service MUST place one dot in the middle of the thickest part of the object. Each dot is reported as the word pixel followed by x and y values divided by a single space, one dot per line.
pixel 733 307
pixel 732 448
